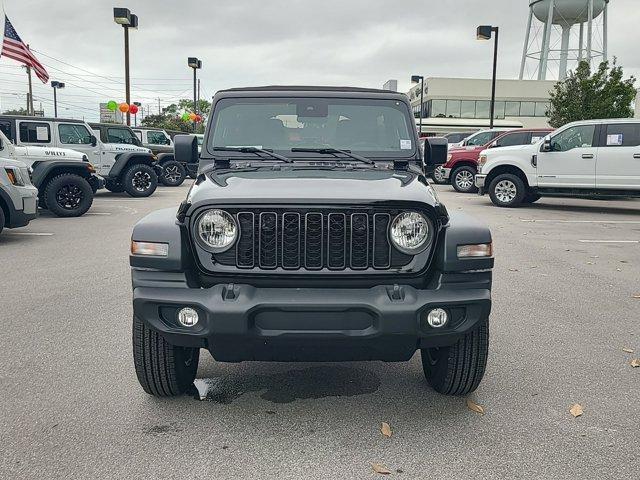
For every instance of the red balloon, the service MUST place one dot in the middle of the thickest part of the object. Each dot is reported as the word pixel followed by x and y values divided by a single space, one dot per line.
pixel 198 118
pixel 133 109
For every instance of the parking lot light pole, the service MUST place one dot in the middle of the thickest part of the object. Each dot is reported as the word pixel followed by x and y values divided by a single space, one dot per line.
pixel 484 32
pixel 56 85
pixel 135 115
pixel 419 79
pixel 196 64
pixel 122 16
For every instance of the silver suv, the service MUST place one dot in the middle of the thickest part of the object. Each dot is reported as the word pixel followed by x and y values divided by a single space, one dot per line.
pixel 18 197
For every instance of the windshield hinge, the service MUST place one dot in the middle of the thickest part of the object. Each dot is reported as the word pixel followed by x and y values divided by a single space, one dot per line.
pixel 400 164
pixel 222 163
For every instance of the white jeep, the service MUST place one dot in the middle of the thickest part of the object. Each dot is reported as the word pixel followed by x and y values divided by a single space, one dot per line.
pixel 125 168
pixel 65 179
pixel 592 157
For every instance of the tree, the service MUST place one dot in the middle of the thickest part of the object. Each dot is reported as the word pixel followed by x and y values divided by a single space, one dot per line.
pixel 18 111
pixel 586 96
pixel 171 116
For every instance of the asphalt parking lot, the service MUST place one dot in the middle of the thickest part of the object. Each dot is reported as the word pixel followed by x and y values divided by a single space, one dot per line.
pixel 567 271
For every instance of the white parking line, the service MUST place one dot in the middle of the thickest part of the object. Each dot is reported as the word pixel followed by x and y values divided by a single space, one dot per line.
pixel 31 234
pixel 533 220
pixel 609 241
pixel 97 213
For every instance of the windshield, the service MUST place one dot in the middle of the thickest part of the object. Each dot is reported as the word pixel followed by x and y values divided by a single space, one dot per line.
pixel 121 135
pixel 482 138
pixel 373 128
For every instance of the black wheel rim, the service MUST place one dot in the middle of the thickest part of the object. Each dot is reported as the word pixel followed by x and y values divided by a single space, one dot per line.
pixel 141 181
pixel 172 174
pixel 69 196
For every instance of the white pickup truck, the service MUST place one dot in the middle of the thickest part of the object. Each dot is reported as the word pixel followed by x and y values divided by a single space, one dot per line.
pixel 593 157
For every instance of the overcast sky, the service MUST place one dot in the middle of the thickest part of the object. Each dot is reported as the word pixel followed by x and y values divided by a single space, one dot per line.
pixel 260 42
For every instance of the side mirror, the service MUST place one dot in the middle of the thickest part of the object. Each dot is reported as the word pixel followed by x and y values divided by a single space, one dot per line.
pixel 185 148
pixel 436 150
pixel 94 140
pixel 546 145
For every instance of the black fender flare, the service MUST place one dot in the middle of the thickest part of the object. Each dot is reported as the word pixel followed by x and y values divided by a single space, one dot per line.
pixel 123 161
pixel 161 226
pixel 43 171
pixel 7 206
pixel 462 229
pixel 165 157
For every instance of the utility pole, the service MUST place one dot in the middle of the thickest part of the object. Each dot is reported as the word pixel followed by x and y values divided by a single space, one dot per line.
pixel 30 110
pixel 159 112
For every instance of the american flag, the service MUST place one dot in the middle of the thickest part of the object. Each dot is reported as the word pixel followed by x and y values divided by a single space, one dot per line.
pixel 14 47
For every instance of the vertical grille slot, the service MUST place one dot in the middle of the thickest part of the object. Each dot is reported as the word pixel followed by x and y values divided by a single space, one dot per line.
pixel 313 229
pixel 268 240
pixel 291 240
pixel 336 240
pixel 245 252
pixel 381 245
pixel 359 240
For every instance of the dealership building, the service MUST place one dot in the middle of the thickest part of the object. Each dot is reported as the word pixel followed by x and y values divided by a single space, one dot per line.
pixel 463 104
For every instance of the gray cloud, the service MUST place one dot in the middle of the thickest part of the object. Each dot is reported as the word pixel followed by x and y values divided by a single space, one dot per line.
pixel 252 42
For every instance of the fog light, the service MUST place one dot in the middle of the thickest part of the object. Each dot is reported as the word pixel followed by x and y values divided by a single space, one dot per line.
pixel 437 317
pixel 188 317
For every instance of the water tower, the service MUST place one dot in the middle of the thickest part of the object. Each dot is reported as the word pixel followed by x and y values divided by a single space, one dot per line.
pixel 552 37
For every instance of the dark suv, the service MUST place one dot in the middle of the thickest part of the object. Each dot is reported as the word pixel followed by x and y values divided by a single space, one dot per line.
pixel 310 234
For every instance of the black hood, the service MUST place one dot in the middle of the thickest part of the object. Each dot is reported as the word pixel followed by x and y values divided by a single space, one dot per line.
pixel 307 186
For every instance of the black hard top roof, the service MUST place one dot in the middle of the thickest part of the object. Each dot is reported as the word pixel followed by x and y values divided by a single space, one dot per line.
pixel 106 124
pixel 309 88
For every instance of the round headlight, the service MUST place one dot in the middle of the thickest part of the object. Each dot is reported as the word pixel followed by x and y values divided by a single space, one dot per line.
pixel 217 230
pixel 410 232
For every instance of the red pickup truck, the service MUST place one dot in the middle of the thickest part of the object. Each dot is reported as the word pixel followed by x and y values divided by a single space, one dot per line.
pixel 462 162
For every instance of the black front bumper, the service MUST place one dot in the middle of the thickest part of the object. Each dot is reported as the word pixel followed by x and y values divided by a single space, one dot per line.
pixel 96 182
pixel 242 322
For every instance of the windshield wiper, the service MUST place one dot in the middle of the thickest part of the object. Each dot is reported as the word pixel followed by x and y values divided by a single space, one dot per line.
pixel 255 150
pixel 335 151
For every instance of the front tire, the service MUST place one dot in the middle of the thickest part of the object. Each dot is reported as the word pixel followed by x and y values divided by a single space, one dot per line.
pixel 458 369
pixel 68 195
pixel 438 175
pixel 2 219
pixel 163 370
pixel 140 180
pixel 463 179
pixel 507 190
pixel 173 174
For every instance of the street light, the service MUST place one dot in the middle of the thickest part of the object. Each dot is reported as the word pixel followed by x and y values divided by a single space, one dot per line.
pixel 196 64
pixel 56 85
pixel 419 79
pixel 122 16
pixel 484 33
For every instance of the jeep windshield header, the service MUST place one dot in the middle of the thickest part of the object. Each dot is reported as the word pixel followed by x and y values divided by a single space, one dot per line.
pixel 304 127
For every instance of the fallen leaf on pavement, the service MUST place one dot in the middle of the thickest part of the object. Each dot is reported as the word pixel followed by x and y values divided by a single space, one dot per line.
pixel 635 363
pixel 381 469
pixel 627 350
pixel 385 429
pixel 474 407
pixel 576 410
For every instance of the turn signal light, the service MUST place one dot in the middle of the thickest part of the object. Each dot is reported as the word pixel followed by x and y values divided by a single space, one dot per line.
pixel 475 251
pixel 149 249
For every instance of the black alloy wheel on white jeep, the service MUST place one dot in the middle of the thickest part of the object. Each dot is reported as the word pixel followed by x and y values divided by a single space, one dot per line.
pixel 140 180
pixel 507 190
pixel 459 368
pixel 463 179
pixel 68 195
pixel 438 175
pixel 173 174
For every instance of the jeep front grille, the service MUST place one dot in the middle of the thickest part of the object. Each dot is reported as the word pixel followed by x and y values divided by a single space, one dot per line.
pixel 312 240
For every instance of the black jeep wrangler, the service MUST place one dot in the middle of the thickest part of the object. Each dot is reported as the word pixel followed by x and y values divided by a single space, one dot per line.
pixel 310 234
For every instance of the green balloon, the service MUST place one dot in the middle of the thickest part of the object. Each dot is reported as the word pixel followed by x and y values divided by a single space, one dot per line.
pixel 112 105
pixel 185 117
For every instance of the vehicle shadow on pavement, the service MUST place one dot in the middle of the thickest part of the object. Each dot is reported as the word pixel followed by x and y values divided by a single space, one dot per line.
pixel 633 208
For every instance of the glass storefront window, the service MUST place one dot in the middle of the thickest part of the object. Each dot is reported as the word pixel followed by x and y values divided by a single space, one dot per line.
pixel 499 111
pixel 541 109
pixel 453 108
pixel 512 109
pixel 527 109
pixel 482 109
pixel 468 109
pixel 438 108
